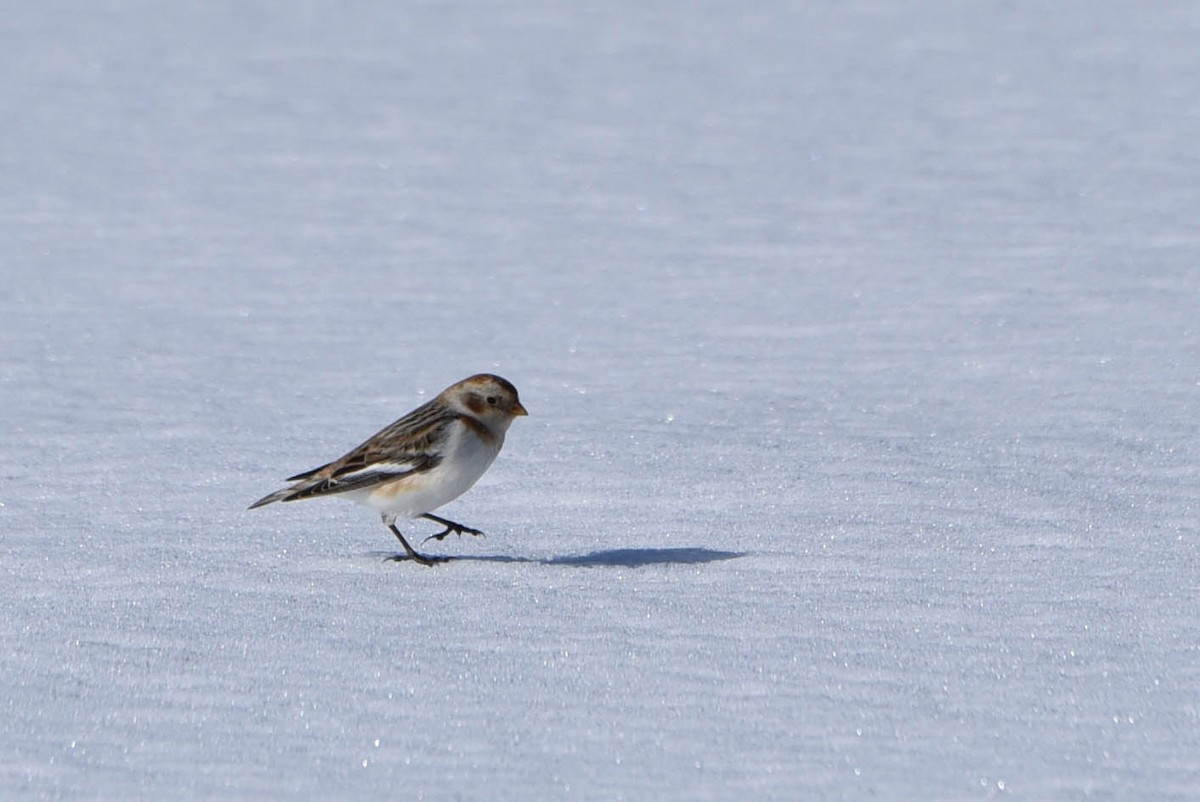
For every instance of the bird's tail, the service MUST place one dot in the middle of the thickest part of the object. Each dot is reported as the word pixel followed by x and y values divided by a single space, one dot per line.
pixel 296 491
pixel 278 495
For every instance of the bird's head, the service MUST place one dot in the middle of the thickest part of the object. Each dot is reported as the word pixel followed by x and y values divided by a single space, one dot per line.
pixel 488 398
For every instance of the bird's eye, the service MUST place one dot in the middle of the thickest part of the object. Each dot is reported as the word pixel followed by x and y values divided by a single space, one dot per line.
pixel 491 399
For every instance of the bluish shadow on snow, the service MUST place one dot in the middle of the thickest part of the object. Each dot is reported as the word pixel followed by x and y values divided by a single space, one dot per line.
pixel 635 558
pixel 609 558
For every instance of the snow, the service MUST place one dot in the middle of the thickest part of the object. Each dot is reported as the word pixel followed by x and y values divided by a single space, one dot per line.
pixel 860 345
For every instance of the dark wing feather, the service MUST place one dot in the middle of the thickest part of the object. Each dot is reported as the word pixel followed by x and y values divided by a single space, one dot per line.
pixel 405 447
pixel 308 474
pixel 368 477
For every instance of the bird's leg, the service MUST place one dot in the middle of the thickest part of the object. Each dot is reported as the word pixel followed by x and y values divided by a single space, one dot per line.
pixel 412 553
pixel 451 527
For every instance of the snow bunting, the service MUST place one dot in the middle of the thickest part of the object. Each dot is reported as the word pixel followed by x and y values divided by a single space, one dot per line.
pixel 426 459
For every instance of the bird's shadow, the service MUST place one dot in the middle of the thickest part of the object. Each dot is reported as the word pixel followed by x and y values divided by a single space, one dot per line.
pixel 608 558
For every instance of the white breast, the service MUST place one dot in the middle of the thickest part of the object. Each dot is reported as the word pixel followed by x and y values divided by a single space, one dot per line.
pixel 466 459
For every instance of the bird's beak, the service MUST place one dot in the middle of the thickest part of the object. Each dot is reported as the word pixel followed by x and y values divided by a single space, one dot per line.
pixel 519 410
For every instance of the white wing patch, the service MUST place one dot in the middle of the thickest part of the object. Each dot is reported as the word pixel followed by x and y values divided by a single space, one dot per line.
pixel 390 467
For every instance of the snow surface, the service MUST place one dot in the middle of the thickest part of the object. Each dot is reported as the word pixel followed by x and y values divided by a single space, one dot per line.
pixel 861 343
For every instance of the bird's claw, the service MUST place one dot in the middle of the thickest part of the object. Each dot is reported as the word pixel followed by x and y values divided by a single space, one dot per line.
pixel 455 530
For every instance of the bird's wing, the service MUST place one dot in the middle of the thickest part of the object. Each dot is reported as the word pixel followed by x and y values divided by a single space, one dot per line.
pixel 367 476
pixel 413 444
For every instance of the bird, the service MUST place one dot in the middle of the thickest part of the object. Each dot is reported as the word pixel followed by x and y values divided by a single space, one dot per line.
pixel 424 460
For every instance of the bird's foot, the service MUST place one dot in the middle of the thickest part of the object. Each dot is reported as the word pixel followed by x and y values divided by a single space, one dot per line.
pixel 409 552
pixel 452 529
pixel 417 558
